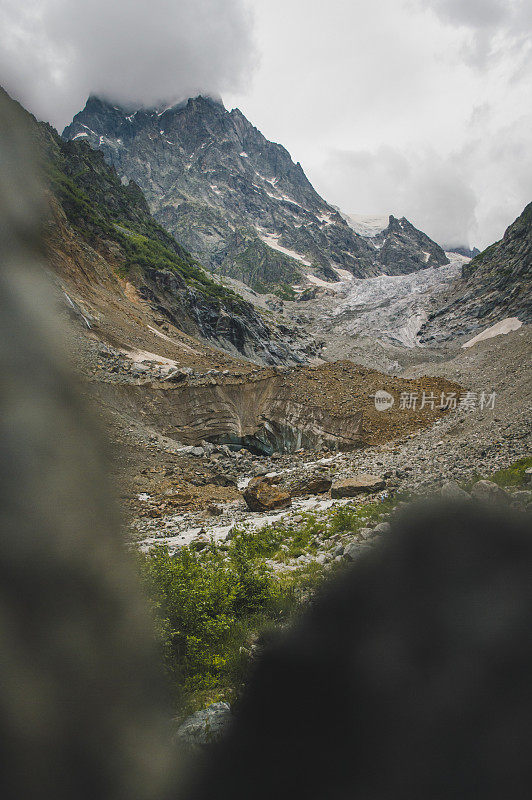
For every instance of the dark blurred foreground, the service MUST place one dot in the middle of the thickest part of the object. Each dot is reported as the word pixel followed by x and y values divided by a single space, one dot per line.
pixel 410 678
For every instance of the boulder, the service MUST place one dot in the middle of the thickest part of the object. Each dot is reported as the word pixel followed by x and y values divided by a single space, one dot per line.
pixel 522 499
pixel 360 484
pixel 263 494
pixel 382 527
pixel 205 726
pixel 354 551
pixel 489 492
pixel 452 491
pixel 178 375
pixel 311 484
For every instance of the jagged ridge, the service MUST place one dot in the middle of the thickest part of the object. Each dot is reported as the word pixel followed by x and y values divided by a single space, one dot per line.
pixel 496 284
pixel 233 198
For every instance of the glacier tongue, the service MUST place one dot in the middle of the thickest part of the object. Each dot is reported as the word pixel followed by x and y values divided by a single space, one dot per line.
pixel 388 307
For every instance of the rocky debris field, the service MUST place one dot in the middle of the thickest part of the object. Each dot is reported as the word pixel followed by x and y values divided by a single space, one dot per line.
pixel 466 443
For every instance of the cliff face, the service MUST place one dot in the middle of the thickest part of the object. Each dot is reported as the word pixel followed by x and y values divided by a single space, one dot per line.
pixel 496 284
pixel 109 253
pixel 236 200
pixel 404 249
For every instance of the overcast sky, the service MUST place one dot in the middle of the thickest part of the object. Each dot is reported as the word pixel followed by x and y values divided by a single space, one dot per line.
pixel 420 108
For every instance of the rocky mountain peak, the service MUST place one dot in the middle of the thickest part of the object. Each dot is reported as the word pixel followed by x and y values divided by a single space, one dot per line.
pixel 238 201
pixel 235 199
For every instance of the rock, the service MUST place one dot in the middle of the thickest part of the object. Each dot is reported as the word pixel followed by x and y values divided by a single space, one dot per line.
pixel 452 491
pixel 222 479
pixel 200 543
pixel 259 470
pixel 178 375
pixel 360 484
pixel 213 509
pixel 263 494
pixel 528 475
pixel 489 492
pixel 354 551
pixel 522 499
pixel 311 484
pixel 382 527
pixel 338 551
pixel 197 451
pixel 205 726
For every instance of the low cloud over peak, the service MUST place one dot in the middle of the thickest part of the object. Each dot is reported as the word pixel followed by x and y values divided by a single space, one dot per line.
pixel 54 53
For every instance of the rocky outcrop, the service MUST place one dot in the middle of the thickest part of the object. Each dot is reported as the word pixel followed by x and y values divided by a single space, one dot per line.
pixel 402 249
pixel 495 285
pixel 399 247
pixel 468 252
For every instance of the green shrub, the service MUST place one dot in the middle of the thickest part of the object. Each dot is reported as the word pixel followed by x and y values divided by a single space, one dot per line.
pixel 209 606
pixel 514 475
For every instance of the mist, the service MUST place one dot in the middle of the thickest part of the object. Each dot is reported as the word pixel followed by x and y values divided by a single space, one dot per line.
pixel 420 108
pixel 54 53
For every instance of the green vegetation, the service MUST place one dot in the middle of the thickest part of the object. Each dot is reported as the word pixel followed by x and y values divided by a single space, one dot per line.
pixel 75 202
pixel 214 604
pixel 263 268
pixel 148 253
pixel 514 476
pixel 100 207
pixel 211 607
pixel 286 292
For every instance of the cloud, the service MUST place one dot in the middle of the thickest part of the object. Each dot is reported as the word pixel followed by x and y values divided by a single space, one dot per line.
pixel 495 26
pixel 467 196
pixel 430 191
pixel 474 13
pixel 413 107
pixel 54 53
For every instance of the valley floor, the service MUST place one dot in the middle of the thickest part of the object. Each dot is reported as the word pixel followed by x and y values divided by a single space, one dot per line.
pixel 463 443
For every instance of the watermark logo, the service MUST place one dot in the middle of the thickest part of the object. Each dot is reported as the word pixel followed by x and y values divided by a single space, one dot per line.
pixel 444 401
pixel 383 400
pixel 467 401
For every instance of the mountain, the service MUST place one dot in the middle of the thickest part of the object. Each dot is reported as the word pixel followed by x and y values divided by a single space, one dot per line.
pixel 464 251
pixel 401 248
pixel 495 285
pixel 236 200
pixel 127 277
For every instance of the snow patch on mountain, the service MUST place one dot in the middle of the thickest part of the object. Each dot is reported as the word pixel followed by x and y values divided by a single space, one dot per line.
pixel 499 329
pixel 272 242
pixel 368 225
